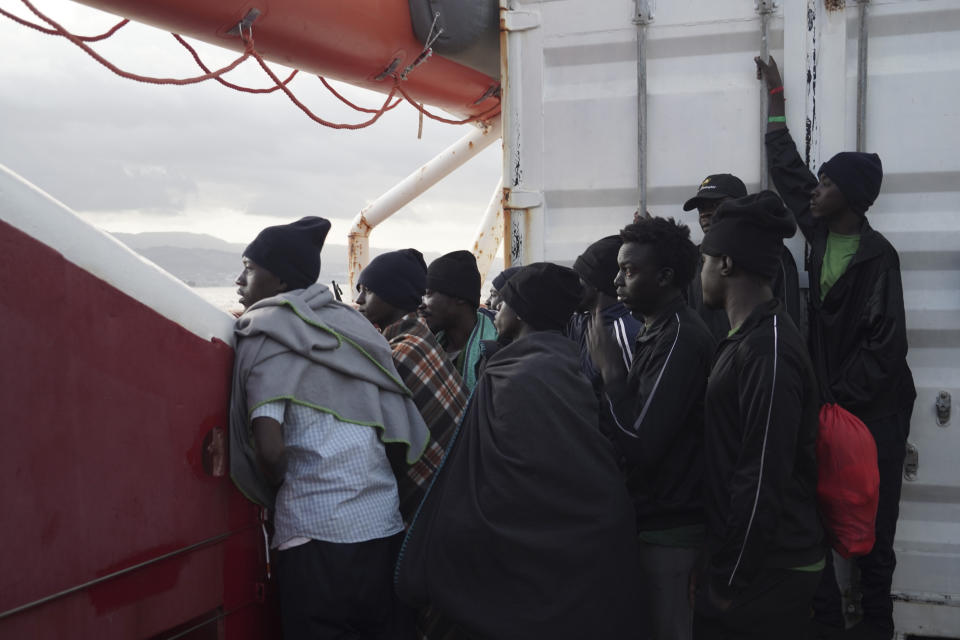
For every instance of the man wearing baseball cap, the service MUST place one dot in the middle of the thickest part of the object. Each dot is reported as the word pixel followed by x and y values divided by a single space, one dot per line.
pixel 713 190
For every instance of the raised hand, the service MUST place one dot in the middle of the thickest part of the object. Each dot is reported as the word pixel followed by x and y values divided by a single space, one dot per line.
pixel 776 109
pixel 769 72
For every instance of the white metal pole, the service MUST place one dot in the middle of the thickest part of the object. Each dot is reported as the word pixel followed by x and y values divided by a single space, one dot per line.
pixel 442 165
pixel 489 234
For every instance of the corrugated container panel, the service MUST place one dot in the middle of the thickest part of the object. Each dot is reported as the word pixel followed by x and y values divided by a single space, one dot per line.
pixel 913 122
pixel 703 107
pixel 578 115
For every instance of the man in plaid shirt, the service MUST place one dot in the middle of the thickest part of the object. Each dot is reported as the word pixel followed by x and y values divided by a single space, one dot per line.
pixel 390 289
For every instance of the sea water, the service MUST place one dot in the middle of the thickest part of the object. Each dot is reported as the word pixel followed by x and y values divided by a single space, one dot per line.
pixel 225 298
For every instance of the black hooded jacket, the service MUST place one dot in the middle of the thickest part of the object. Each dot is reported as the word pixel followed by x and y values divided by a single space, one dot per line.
pixel 858 335
pixel 760 477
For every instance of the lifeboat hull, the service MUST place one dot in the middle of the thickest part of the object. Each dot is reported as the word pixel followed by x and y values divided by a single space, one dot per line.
pixel 354 41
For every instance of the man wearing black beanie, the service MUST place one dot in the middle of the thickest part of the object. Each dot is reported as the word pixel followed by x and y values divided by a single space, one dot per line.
pixel 315 399
pixel 597 268
pixel 712 192
pixel 656 409
pixel 451 309
pixel 391 288
pixel 528 530
pixel 858 335
pixel 493 299
pixel 764 550
pixel 281 258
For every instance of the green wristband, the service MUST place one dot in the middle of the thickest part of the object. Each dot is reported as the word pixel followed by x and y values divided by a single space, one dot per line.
pixel 777 119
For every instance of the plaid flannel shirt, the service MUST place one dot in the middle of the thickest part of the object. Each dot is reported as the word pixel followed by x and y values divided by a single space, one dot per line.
pixel 439 393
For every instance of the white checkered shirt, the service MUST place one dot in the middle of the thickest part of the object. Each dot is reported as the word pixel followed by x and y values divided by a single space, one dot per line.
pixel 339 486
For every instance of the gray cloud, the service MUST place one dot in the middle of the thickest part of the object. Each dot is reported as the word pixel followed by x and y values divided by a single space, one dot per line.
pixel 102 143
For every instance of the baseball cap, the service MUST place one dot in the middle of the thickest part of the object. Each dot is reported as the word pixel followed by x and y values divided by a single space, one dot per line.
pixel 716 186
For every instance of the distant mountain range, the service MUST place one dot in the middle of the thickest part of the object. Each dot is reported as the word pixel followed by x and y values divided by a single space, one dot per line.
pixel 202 260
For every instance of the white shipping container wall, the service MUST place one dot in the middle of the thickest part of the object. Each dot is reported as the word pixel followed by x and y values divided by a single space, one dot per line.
pixel 572 174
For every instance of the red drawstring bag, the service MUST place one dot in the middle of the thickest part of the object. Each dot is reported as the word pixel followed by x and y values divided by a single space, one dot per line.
pixel 848 482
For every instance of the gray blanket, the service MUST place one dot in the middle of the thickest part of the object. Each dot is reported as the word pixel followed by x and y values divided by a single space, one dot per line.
pixel 305 347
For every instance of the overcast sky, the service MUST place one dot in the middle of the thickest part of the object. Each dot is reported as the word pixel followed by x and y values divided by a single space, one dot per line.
pixel 134 157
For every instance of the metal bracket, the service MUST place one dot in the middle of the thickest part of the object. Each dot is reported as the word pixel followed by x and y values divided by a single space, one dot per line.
pixel 213 454
pixel 492 91
pixel 766 6
pixel 388 70
pixel 517 199
pixel 519 20
pixel 943 408
pixel 246 23
pixel 911 464
pixel 643 12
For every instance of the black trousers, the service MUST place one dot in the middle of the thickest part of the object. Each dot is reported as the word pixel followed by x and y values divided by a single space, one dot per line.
pixel 776 606
pixel 342 591
pixel 876 568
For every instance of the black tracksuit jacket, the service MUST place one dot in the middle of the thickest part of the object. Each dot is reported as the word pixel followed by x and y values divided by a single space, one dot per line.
pixel 858 336
pixel 658 413
pixel 760 478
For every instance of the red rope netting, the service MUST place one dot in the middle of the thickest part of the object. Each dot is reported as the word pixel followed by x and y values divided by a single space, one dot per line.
pixel 53 32
pixel 249 51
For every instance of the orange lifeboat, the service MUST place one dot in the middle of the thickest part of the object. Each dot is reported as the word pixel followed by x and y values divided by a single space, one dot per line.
pixel 362 42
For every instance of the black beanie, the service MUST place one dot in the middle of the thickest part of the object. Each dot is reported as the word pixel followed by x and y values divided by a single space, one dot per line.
pixel 544 295
pixel 751 231
pixel 504 276
pixel 598 266
pixel 291 251
pixel 399 277
pixel 455 274
pixel 858 176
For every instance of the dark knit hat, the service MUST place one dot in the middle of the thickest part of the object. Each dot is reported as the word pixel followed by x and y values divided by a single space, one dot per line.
pixel 399 277
pixel 715 187
pixel 503 276
pixel 857 175
pixel 291 251
pixel 597 265
pixel 544 295
pixel 751 231
pixel 455 274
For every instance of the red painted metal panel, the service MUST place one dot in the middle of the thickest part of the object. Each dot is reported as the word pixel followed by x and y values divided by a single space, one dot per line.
pixel 104 405
pixel 349 40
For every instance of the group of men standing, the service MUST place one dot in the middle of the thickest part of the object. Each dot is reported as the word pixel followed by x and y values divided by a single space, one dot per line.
pixel 625 449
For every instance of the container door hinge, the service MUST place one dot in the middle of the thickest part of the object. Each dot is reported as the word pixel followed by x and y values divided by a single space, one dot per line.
pixel 911 463
pixel 519 199
pixel 519 20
